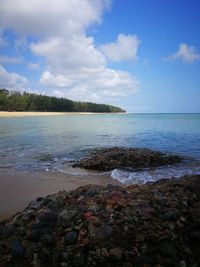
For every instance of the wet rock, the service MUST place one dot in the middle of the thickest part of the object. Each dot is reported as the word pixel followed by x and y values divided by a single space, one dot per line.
pixel 118 157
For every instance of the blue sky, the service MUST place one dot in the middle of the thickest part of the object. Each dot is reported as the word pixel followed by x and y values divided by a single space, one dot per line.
pixel 141 55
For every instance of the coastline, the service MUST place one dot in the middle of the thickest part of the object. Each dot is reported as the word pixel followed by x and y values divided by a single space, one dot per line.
pixel 18 189
pixel 10 114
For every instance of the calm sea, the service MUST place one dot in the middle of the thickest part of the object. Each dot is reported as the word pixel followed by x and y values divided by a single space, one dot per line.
pixel 49 143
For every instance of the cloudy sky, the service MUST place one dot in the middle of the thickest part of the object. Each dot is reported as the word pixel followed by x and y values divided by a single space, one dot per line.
pixel 141 55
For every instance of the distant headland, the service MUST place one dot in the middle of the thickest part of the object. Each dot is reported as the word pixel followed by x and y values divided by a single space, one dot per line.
pixel 29 102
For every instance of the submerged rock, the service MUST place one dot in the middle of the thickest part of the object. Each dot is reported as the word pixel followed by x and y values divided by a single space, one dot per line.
pixel 157 224
pixel 118 157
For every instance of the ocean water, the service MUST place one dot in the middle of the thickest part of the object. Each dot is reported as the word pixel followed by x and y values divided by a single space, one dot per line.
pixel 50 143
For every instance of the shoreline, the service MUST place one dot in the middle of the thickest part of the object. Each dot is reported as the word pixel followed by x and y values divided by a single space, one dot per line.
pixel 9 114
pixel 18 189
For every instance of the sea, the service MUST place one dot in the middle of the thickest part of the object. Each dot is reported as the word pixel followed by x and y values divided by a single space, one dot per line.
pixel 52 143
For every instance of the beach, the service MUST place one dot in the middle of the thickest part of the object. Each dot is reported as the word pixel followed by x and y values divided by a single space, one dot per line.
pixel 8 114
pixel 18 189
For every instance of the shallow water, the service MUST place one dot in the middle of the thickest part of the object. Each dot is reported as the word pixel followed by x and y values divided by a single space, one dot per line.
pixel 49 143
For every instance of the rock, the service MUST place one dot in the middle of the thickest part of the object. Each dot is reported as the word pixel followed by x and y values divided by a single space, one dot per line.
pixel 170 215
pixel 138 225
pixel 116 253
pixel 119 157
pixel 47 239
pixel 87 215
pixel 16 249
pixel 7 231
pixel 47 216
pixel 182 219
pixel 168 248
pixel 182 264
pixel 104 252
pixel 71 237
pixel 147 212
pixel 94 220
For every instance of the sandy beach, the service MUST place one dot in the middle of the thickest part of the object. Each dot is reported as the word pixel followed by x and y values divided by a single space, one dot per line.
pixel 18 189
pixel 31 114
pixel 8 114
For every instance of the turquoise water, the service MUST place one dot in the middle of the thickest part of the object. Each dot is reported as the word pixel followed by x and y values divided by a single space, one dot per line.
pixel 48 143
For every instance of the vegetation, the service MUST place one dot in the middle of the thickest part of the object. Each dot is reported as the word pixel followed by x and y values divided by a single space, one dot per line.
pixel 15 101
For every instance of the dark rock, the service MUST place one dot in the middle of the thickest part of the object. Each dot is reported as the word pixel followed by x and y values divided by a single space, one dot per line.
pixel 170 215
pixel 7 231
pixel 47 216
pixel 71 237
pixel 156 224
pixel 47 239
pixel 16 249
pixel 39 199
pixel 169 249
pixel 118 157
pixel 116 253
pixel 79 260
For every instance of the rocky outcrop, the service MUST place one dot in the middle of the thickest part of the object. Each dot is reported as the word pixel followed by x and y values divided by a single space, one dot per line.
pixel 114 158
pixel 157 224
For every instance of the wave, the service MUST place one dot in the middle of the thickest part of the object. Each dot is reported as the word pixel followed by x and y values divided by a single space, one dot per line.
pixel 154 174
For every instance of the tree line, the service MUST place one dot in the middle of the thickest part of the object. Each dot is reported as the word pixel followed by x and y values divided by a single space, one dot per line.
pixel 16 101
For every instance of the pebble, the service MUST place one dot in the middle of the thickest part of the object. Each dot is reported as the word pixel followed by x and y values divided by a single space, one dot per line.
pixel 149 226
pixel 47 216
pixel 170 215
pixel 71 237
pixel 116 253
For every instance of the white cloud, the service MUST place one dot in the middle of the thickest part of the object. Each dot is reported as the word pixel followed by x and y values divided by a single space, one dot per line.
pixel 97 86
pixel 78 70
pixel 185 53
pixel 74 66
pixel 52 18
pixel 12 80
pixel 62 53
pixel 33 66
pixel 125 48
pixel 10 60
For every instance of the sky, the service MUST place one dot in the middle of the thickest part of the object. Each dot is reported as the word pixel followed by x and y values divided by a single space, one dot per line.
pixel 141 55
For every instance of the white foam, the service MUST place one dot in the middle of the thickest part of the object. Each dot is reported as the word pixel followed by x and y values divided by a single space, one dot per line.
pixel 154 174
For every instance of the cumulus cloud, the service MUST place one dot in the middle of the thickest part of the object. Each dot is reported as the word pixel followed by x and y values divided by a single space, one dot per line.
pixel 92 86
pixel 10 60
pixel 61 53
pixel 185 53
pixel 76 65
pixel 50 17
pixel 125 48
pixel 73 66
pixel 12 80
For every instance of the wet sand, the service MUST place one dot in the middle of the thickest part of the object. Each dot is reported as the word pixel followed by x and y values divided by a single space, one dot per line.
pixel 18 189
